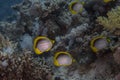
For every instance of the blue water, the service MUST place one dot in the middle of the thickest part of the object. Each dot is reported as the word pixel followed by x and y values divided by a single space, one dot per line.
pixel 6 10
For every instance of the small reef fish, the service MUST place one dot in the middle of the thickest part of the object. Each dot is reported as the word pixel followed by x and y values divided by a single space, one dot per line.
pixel 42 44
pixel 63 59
pixel 76 7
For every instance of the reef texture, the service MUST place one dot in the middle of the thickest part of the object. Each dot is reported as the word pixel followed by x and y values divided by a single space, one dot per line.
pixel 112 21
pixel 23 66
pixel 71 33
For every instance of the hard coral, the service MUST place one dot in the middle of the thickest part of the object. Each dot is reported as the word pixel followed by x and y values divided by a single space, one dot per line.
pixel 6 46
pixel 117 55
pixel 10 29
pixel 105 68
pixel 112 22
pixel 23 67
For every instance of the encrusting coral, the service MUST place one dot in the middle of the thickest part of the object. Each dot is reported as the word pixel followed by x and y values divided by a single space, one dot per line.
pixel 112 21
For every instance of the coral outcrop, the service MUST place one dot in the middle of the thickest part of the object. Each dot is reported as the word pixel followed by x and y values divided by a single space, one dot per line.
pixel 112 21
pixel 23 66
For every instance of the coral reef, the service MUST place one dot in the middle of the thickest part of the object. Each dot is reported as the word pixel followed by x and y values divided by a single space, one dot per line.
pixel 112 22
pixel 71 33
pixel 10 28
pixel 117 55
pixel 23 66
pixel 7 46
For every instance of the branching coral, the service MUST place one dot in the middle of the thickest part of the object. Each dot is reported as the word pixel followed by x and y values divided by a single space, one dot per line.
pixel 10 29
pixel 112 22
pixel 73 33
pixel 23 67
pixel 6 46
pixel 20 65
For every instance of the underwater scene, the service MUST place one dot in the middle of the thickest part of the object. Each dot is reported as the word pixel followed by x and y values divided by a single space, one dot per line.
pixel 59 39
